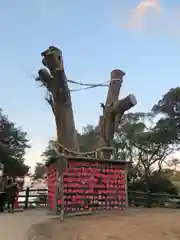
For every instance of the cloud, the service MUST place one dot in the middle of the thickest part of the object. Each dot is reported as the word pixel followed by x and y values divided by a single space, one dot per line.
pixel 140 12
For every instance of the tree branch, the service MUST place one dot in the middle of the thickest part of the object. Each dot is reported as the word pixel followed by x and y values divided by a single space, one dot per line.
pixel 45 78
pixel 124 104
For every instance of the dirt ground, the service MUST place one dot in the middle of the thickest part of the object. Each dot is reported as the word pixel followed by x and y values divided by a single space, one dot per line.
pixel 137 224
pixel 18 225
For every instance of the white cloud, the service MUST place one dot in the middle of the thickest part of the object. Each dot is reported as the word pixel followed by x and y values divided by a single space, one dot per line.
pixel 138 14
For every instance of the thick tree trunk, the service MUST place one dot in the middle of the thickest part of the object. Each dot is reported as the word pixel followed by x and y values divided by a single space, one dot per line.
pixel 107 119
pixel 113 110
pixel 59 97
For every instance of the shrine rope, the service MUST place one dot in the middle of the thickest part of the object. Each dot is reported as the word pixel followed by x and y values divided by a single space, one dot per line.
pixel 76 153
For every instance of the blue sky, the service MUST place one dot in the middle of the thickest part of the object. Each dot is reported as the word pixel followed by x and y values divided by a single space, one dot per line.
pixel 94 42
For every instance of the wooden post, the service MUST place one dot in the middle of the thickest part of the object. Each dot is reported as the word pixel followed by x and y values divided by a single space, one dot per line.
pixel 26 198
pixel 126 189
pixel 55 209
pixel 62 198
pixel 62 165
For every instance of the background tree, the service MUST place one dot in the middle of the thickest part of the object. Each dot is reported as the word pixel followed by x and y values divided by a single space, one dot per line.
pixel 13 144
pixel 169 104
pixel 40 171
pixel 87 140
pixel 174 163
pixel 49 152
pixel 146 144
pixel 169 107
pixel 158 183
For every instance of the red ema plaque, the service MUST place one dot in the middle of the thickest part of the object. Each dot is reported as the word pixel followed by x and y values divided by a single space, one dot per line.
pixel 93 186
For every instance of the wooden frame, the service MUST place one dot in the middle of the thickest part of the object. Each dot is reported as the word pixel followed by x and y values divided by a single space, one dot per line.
pixel 59 186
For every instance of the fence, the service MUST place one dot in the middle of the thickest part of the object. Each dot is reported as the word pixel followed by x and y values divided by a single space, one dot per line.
pixel 30 198
pixel 148 199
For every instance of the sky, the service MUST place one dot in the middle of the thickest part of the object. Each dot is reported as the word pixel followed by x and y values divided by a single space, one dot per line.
pixel 95 38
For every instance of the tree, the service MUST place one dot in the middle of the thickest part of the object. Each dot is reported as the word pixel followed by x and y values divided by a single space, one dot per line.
pixel 158 183
pixel 53 78
pixel 49 152
pixel 39 171
pixel 13 144
pixel 174 163
pixel 169 106
pixel 144 142
pixel 87 140
pixel 113 110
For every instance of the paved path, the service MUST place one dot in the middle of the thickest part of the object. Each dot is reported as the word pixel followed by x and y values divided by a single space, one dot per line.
pixel 16 226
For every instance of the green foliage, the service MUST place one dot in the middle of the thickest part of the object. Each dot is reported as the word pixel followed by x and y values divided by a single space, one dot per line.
pixel 147 144
pixel 158 183
pixel 169 105
pixel 40 171
pixel 13 143
pixel 88 138
pixel 49 152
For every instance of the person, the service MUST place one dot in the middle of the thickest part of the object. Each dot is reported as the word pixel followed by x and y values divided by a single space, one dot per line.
pixel 11 188
pixel 2 193
pixel 2 199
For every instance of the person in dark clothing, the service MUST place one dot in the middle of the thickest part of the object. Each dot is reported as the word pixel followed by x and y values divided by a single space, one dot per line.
pixel 11 190
pixel 2 194
pixel 2 201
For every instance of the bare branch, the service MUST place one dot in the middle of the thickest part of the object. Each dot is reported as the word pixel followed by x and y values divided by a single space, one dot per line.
pixel 124 104
pixel 45 78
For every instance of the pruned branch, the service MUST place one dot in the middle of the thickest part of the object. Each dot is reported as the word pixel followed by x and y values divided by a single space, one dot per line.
pixel 45 78
pixel 120 107
pixel 123 105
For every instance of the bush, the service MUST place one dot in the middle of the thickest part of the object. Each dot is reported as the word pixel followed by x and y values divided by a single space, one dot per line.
pixel 158 183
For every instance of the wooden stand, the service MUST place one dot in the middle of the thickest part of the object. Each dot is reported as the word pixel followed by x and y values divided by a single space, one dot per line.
pixel 88 185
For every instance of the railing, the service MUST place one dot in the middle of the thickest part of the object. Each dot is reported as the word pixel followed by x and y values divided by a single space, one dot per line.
pixel 32 198
pixel 148 199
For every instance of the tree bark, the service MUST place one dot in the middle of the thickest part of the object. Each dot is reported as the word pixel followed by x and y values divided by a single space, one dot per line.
pixel 59 97
pixel 114 109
